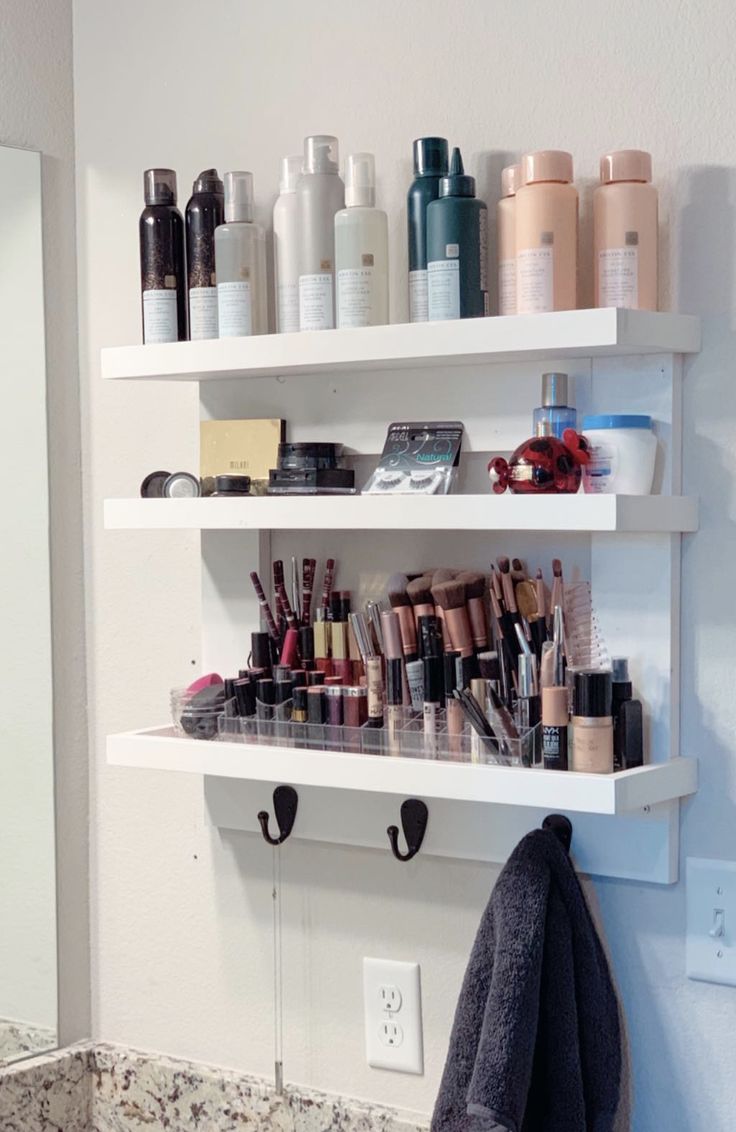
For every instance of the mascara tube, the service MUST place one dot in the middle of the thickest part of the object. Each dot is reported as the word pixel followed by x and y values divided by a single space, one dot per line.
pixel 394 702
pixel 432 703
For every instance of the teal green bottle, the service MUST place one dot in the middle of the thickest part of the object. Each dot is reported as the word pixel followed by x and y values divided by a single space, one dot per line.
pixel 457 248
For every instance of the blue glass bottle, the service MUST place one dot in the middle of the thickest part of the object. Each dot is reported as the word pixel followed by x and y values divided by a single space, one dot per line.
pixel 554 408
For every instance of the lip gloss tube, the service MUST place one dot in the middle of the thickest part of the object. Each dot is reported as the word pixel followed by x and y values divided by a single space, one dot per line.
pixel 394 701
pixel 321 631
pixel 333 716
pixel 264 707
pixel 341 664
pixel 354 715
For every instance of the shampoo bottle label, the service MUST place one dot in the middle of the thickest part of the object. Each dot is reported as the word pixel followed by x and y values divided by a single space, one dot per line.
pixel 355 296
pixel 418 309
pixel 535 280
pixel 288 299
pixel 202 312
pixel 618 277
pixel 443 278
pixel 316 302
pixel 234 309
pixel 160 317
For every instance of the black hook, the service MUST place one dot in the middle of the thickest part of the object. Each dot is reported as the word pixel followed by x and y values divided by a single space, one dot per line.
pixel 561 827
pixel 285 803
pixel 414 818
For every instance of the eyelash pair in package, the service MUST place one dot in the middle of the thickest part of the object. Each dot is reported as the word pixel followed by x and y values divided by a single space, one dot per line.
pixel 418 458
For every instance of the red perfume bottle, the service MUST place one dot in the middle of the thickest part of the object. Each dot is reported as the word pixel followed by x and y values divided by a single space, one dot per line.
pixel 542 465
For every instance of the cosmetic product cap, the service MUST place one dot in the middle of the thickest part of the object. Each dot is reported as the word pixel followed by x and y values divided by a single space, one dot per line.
pixel 291 171
pixel 527 676
pixel 260 650
pixel 429 635
pixel 394 681
pixel 181 485
pixel 159 186
pixel 490 668
pixel 238 197
pixel 281 672
pixel 208 181
pixel 153 485
pixel 360 180
pixel 430 157
pixel 283 690
pixel 321 154
pixel 306 642
pixel 617 420
pixel 554 707
pixel 232 485
pixel 299 677
pixel 626 165
pixel 300 699
pixel 452 677
pixel 457 183
pixel 391 634
pixel 593 696
pixel 432 672
pixel 316 705
pixel 510 180
pixel 333 682
pixel 554 390
pixel 546 165
pixel 620 669
pixel 265 690
pixel 315 678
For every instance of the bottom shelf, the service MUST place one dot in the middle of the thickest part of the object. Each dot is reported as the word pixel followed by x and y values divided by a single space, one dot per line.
pixel 628 790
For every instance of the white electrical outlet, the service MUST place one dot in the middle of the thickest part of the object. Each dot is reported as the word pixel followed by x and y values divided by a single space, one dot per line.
pixel 393 1015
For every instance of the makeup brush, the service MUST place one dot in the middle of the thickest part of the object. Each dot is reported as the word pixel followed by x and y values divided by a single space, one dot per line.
pixel 518 570
pixel 507 583
pixel 475 592
pixel 450 597
pixel 526 599
pixel 541 593
pixel 496 583
pixel 420 596
pixel 265 607
pixel 401 603
pixel 558 585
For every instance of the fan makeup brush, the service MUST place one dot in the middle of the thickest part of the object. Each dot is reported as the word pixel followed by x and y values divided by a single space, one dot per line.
pixel 450 597
pixel 475 592
pixel 420 596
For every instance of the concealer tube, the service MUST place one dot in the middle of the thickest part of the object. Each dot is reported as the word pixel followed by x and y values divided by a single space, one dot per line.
pixel 394 700
pixel 592 723
pixel 453 710
pixel 432 703
pixel 374 680
pixel 415 680
pixel 554 728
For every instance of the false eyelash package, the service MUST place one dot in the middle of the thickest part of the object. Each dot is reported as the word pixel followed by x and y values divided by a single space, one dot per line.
pixel 418 458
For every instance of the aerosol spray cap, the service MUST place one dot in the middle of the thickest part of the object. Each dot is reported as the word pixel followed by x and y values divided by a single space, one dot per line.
pixel 360 180
pixel 208 181
pixel 291 171
pixel 159 186
pixel 321 154
pixel 554 390
pixel 430 157
pixel 238 197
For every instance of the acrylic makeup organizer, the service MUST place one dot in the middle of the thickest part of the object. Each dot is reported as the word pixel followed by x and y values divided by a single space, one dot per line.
pixel 347 386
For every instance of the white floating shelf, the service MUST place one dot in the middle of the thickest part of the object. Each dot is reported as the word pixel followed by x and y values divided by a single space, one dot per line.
pixel 161 749
pixel 565 334
pixel 632 513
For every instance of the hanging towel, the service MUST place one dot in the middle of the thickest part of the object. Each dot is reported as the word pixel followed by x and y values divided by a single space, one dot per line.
pixel 536 1044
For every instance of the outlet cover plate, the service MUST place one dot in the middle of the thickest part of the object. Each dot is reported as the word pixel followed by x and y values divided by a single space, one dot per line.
pixel 393 1037
pixel 711 920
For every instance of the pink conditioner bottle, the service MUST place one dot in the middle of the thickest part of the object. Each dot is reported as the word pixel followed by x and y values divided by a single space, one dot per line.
pixel 625 227
pixel 506 232
pixel 546 234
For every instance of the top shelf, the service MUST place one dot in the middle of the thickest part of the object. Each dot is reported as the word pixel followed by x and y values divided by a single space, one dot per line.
pixel 482 341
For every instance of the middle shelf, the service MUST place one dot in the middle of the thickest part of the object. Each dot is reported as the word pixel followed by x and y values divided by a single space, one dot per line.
pixel 624 513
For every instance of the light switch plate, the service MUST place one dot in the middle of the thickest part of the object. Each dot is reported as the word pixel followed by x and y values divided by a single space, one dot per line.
pixel 711 920
pixel 393 1015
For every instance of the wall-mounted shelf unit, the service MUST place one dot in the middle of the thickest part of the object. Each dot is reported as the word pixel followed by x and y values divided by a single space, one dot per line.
pixel 346 386
pixel 632 513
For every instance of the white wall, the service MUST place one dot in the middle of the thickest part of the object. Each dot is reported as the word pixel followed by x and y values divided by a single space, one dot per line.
pixel 36 112
pixel 181 917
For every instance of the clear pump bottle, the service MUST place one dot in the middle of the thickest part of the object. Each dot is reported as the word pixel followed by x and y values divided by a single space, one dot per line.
pixel 286 247
pixel 240 261
pixel 361 248
pixel 320 194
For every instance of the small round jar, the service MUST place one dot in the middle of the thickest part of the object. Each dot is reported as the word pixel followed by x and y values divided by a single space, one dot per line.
pixel 623 452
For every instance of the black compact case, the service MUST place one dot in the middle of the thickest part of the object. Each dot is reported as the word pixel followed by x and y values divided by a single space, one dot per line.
pixel 310 468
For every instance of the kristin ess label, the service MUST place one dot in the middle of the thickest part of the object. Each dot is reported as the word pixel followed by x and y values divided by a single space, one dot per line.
pixel 443 289
pixel 535 280
pixel 507 286
pixel 618 277
pixel 316 302
pixel 234 309
pixel 288 307
pixel 355 296
pixel 202 312
pixel 418 308
pixel 160 317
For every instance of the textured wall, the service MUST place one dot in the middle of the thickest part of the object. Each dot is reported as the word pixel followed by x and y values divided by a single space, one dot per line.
pixel 181 917
pixel 37 112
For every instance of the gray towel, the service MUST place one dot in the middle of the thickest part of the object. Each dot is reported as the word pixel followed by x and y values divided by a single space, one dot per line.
pixel 536 1045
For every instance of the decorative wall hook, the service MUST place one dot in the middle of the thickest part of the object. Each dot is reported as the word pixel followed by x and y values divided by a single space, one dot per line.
pixel 414 818
pixel 285 804
pixel 561 827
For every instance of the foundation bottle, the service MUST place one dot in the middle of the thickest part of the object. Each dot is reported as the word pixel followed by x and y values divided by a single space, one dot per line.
pixel 625 227
pixel 506 233
pixel 546 234
pixel 592 722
